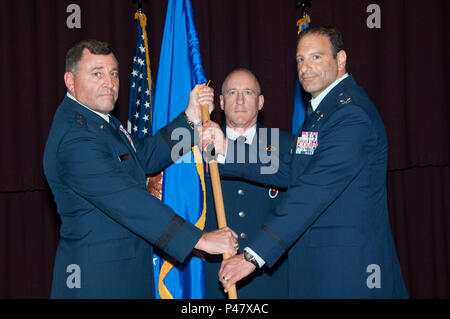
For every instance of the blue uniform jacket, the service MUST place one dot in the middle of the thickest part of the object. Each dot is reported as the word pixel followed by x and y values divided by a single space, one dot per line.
pixel 109 221
pixel 247 205
pixel 334 218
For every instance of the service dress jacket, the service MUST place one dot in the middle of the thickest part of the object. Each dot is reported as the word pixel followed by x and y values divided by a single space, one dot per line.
pixel 109 221
pixel 334 218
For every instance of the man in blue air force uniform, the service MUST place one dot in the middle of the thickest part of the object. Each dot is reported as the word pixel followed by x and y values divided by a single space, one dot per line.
pixel 334 219
pixel 97 175
pixel 247 204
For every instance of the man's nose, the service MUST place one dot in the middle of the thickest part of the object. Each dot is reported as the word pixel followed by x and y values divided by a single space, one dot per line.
pixel 109 81
pixel 304 66
pixel 240 97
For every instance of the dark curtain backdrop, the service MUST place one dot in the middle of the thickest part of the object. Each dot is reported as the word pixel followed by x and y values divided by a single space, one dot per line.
pixel 403 66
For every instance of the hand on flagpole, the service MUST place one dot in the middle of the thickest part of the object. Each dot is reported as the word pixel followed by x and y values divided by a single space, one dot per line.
pixel 201 94
pixel 154 185
pixel 219 241
pixel 234 269
pixel 211 133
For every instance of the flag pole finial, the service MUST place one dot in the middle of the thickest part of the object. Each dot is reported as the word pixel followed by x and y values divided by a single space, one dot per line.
pixel 303 4
pixel 139 2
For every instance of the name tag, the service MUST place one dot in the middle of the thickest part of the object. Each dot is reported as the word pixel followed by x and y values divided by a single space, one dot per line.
pixel 124 157
pixel 307 143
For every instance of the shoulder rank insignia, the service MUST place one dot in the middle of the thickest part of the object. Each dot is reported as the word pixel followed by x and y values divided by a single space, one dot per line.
pixel 345 101
pixel 79 119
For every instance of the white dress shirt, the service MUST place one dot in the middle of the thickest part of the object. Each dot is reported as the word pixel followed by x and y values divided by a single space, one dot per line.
pixel 231 134
pixel 248 134
pixel 103 116
pixel 316 101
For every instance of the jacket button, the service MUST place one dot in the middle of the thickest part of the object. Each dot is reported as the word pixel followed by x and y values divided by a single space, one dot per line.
pixel 242 214
pixel 240 192
pixel 243 235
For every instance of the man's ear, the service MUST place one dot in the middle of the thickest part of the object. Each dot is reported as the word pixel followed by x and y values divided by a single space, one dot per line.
pixel 260 102
pixel 70 82
pixel 342 61
pixel 221 102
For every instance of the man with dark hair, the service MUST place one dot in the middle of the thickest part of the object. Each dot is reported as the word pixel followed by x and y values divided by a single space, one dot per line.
pixel 333 220
pixel 96 171
pixel 75 53
pixel 247 204
pixel 333 35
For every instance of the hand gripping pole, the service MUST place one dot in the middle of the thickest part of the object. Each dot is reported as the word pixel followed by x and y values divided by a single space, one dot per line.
pixel 218 197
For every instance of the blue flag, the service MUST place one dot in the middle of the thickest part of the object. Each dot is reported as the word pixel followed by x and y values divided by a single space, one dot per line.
pixel 180 68
pixel 298 115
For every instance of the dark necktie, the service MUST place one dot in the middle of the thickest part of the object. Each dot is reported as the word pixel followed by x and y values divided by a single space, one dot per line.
pixel 241 139
pixel 241 154
pixel 309 112
pixel 111 122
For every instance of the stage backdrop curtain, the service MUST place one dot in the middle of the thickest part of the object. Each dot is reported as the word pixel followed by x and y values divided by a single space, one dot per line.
pixel 403 66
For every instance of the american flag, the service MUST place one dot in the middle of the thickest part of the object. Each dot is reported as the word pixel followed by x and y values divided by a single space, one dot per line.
pixel 140 104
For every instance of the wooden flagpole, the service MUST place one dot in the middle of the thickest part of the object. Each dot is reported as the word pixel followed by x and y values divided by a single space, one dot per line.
pixel 218 197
